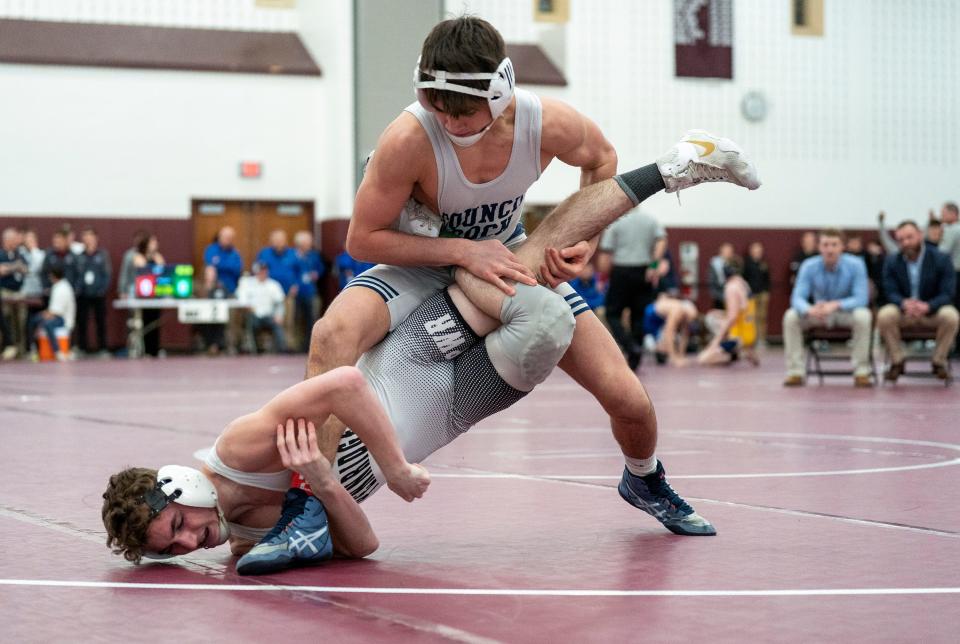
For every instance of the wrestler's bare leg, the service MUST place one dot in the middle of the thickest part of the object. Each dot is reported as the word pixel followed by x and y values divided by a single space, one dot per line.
pixel 337 341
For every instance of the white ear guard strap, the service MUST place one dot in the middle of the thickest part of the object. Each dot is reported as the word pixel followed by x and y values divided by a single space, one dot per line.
pixel 501 85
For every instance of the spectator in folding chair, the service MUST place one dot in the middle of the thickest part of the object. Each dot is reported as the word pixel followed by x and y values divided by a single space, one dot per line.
pixel 919 282
pixel 836 283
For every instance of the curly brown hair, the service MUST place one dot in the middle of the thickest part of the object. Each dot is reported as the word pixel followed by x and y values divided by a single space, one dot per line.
pixel 125 516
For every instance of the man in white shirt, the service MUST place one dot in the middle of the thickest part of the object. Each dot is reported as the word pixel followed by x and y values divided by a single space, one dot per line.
pixel 60 313
pixel 266 299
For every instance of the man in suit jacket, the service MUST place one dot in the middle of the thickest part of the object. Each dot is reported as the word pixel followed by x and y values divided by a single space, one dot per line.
pixel 919 282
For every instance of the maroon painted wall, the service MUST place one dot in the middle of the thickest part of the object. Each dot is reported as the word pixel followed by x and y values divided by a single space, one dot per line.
pixel 116 236
pixel 176 244
pixel 780 245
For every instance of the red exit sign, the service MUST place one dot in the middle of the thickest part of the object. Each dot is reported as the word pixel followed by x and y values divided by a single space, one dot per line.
pixel 251 169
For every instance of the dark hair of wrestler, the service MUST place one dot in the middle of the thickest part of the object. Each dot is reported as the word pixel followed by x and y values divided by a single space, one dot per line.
pixel 465 44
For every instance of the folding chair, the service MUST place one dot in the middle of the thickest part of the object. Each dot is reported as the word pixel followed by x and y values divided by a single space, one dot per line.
pixel 909 335
pixel 816 357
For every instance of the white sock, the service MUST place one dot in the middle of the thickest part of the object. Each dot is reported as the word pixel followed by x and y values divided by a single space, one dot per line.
pixel 641 466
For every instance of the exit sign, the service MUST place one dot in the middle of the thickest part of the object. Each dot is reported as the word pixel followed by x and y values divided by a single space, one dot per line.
pixel 251 169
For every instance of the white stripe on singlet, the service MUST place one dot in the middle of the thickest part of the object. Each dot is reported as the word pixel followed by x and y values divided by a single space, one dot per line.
pixel 276 481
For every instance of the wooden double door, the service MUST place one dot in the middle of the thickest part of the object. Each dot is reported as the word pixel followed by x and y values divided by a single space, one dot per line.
pixel 253 221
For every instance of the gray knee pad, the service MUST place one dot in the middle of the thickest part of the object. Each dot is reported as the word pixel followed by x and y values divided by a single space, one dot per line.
pixel 537 329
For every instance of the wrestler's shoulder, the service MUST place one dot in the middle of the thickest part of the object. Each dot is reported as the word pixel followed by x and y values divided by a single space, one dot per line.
pixel 562 124
pixel 404 137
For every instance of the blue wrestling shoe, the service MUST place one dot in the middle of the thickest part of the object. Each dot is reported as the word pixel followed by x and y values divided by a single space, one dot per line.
pixel 653 495
pixel 300 538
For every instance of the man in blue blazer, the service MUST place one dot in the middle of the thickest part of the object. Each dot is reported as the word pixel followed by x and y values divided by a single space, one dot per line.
pixel 919 282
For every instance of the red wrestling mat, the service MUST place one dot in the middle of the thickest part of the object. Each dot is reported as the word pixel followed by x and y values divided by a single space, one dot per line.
pixel 835 507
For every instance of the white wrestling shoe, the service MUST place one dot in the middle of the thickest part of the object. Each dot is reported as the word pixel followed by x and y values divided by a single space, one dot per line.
pixel 701 156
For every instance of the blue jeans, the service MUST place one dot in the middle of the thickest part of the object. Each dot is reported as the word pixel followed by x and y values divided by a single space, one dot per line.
pixel 49 326
pixel 255 323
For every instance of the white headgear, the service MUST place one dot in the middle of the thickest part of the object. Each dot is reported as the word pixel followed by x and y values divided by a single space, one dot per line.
pixel 498 93
pixel 186 486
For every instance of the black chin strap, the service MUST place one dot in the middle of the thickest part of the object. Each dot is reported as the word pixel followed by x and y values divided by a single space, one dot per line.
pixel 157 500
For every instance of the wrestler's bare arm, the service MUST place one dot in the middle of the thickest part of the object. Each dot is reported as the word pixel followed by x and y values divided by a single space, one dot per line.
pixel 351 532
pixel 249 442
pixel 575 140
pixel 387 184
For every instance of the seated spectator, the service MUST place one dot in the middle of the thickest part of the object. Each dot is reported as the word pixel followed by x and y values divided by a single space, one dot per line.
pixel 734 329
pixel 933 233
pixel 715 278
pixel 311 269
pixel 667 320
pixel 919 283
pixel 281 262
pixel 93 280
pixel 347 268
pixel 61 313
pixel 265 297
pixel 587 286
pixel 756 271
pixel 808 249
pixel 836 283
pixel 13 268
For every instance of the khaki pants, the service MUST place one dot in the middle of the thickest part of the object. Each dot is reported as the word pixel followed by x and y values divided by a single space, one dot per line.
pixel 763 305
pixel 859 321
pixel 890 320
pixel 290 319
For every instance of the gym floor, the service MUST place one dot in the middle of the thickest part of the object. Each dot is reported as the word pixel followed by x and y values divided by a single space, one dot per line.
pixel 836 510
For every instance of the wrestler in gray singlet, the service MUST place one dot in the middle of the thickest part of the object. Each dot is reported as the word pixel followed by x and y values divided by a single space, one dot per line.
pixel 476 211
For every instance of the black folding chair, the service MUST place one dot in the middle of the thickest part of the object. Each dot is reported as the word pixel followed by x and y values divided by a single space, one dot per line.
pixel 813 340
pixel 915 334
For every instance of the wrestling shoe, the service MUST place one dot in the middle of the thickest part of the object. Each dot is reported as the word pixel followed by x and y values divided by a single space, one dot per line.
pixel 300 538
pixel 701 157
pixel 653 495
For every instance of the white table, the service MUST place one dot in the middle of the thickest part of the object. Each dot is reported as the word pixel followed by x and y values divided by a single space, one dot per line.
pixel 189 311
